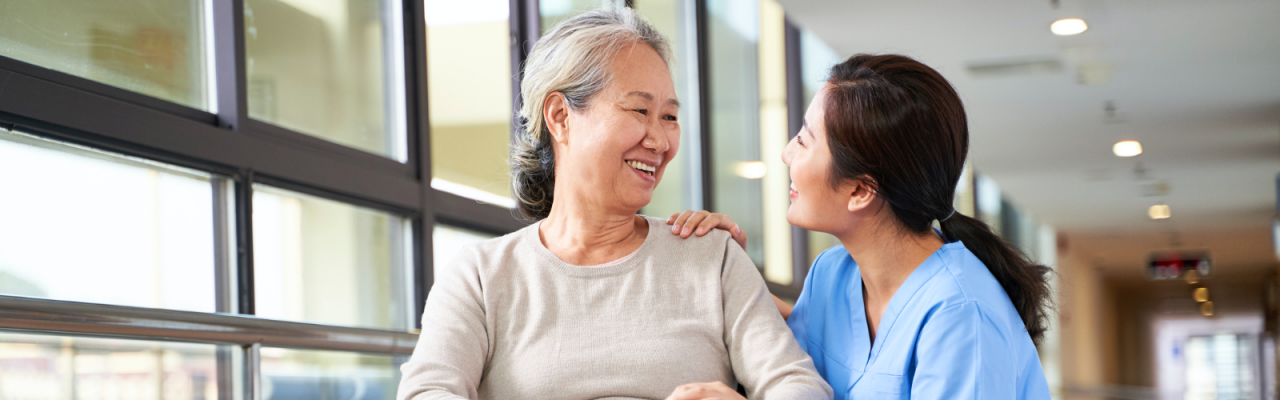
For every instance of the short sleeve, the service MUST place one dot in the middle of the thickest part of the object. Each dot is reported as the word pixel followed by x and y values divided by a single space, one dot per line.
pixel 961 354
pixel 798 320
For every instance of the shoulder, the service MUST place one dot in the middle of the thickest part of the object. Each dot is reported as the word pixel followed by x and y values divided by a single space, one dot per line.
pixel 831 271
pixel 716 244
pixel 964 285
pixel 473 258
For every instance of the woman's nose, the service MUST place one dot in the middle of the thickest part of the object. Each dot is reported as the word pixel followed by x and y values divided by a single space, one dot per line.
pixel 655 138
pixel 786 153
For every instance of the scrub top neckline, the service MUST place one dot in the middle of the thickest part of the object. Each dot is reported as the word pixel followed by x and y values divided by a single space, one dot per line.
pixel 900 298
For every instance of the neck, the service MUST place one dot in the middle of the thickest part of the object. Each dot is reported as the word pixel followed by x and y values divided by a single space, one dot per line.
pixel 886 256
pixel 580 234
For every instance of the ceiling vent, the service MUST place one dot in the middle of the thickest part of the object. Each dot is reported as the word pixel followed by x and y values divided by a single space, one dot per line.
pixel 1014 67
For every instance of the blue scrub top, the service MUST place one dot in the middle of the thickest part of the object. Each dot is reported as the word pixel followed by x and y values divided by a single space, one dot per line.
pixel 950 332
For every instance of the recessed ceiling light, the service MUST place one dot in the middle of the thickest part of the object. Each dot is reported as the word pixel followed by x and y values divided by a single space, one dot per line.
pixel 1127 148
pixel 1068 27
pixel 1200 295
pixel 752 169
pixel 1159 211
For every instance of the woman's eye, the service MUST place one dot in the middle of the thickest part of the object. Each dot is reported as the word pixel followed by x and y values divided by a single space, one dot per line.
pixel 669 117
pixel 642 111
pixel 800 140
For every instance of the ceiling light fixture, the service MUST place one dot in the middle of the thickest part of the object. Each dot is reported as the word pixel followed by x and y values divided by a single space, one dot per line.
pixel 1201 295
pixel 1068 27
pixel 1159 211
pixel 1127 148
pixel 752 169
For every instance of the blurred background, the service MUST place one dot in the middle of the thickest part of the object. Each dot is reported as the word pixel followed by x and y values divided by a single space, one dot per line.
pixel 243 199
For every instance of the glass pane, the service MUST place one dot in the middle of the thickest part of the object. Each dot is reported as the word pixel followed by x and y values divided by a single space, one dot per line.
pixel 735 117
pixel 154 47
pixel 816 60
pixel 60 367
pixel 680 185
pixel 471 99
pixel 447 240
pixel 556 11
pixel 322 261
pixel 327 68
pixel 132 232
pixel 312 374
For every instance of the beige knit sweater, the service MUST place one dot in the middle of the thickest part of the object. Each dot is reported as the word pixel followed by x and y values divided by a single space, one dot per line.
pixel 509 320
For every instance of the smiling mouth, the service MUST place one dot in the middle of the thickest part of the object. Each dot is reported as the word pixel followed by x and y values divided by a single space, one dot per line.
pixel 642 167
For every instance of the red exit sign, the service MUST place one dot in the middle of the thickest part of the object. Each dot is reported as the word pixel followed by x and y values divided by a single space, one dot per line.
pixel 1173 265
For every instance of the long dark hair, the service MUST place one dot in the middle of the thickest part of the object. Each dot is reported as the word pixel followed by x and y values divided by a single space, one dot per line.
pixel 898 125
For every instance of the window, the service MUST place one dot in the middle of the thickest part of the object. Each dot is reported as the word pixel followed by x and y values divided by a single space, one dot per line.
pixel 315 374
pixel 60 367
pixel 733 39
pixel 131 232
pixel 328 69
pixel 323 261
pixel 469 82
pixel 448 240
pixel 154 47
pixel 681 186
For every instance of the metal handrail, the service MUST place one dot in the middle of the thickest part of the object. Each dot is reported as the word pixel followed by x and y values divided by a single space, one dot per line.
pixel 67 317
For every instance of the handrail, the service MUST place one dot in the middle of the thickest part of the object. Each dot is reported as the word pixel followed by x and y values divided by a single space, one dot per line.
pixel 67 317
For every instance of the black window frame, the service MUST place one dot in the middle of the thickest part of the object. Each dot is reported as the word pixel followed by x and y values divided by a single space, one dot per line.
pixel 244 151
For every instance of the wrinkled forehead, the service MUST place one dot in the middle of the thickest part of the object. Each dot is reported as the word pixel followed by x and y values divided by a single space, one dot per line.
pixel 639 74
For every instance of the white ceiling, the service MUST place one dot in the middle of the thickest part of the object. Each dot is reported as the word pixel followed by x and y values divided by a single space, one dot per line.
pixel 1197 82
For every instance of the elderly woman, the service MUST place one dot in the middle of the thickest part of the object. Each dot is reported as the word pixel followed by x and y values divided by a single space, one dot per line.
pixel 594 301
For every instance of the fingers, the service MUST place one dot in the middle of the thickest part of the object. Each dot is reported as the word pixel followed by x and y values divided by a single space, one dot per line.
pixel 714 221
pixel 687 221
pixel 739 235
pixel 706 390
pixel 679 220
pixel 693 222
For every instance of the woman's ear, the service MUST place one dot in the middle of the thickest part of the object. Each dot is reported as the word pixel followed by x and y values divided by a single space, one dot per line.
pixel 555 111
pixel 861 194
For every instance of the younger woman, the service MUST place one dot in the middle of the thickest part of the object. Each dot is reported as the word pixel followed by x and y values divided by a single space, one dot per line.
pixel 900 310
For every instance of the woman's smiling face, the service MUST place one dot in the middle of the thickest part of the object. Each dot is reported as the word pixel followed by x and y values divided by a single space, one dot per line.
pixel 618 148
pixel 815 205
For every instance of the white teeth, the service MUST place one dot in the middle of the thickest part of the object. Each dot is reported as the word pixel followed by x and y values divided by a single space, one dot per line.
pixel 641 166
pixel 793 187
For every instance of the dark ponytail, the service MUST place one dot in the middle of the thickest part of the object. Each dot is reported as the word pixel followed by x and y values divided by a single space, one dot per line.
pixel 899 126
pixel 1025 281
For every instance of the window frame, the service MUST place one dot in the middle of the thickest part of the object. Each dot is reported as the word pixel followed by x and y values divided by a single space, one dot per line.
pixel 243 151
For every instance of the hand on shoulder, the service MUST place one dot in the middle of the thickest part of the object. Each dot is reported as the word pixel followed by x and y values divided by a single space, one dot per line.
pixel 699 223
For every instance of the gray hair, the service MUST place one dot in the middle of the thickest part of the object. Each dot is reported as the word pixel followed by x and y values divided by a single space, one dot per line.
pixel 575 59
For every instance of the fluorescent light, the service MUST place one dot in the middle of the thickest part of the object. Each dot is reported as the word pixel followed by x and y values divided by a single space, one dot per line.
pixel 1127 148
pixel 1068 27
pixel 751 169
pixel 472 193
pixel 1159 211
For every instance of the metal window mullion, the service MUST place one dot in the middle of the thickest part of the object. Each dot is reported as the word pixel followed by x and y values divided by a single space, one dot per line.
pixel 419 127
pixel 526 27
pixel 704 102
pixel 228 64
pixel 252 378
pixel 244 242
pixel 224 245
